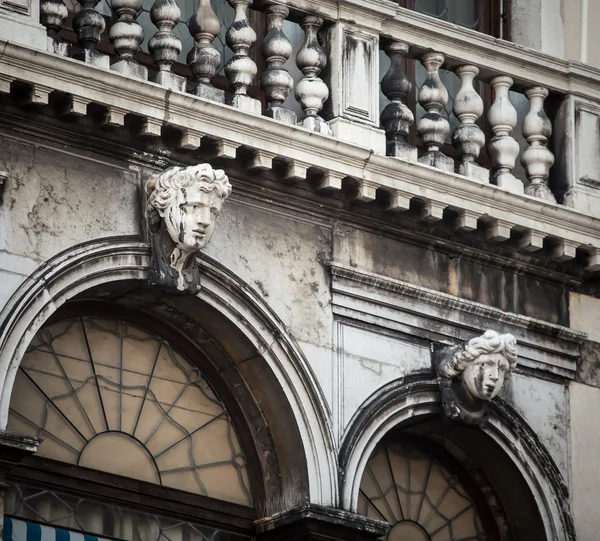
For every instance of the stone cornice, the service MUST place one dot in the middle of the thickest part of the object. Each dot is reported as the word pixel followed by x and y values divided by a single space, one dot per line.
pixel 453 302
pixel 232 128
pixel 325 522
pixel 14 447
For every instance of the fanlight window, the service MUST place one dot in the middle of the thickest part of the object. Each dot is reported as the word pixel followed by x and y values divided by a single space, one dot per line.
pixel 417 496
pixel 109 395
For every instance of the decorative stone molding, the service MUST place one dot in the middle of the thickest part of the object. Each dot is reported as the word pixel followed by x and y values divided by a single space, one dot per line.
pixel 115 259
pixel 15 447
pixel 114 98
pixel 544 348
pixel 352 109
pixel 314 522
pixel 472 374
pixel 400 404
pixel 453 303
pixel 183 206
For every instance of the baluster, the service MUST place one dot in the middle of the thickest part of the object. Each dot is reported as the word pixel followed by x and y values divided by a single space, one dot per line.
pixel 433 128
pixel 164 45
pixel 89 25
pixel 503 149
pixel 276 81
pixel 204 60
pixel 241 69
pixel 537 158
pixel 126 35
pixel 52 15
pixel 468 138
pixel 397 117
pixel 311 91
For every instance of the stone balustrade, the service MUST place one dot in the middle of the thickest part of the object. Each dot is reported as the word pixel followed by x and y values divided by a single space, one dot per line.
pixel 351 86
pixel 338 97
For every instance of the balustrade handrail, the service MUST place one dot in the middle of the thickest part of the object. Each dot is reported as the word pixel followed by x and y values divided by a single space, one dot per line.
pixel 460 45
pixel 493 56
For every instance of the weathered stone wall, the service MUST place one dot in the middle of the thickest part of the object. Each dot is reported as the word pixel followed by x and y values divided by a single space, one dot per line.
pixel 53 200
pixel 56 198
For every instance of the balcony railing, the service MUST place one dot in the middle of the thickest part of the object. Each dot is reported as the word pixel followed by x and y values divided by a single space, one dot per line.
pixel 338 98
pixel 353 76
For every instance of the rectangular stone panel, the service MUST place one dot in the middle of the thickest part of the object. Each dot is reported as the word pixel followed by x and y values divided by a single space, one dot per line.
pixel 588 131
pixel 368 360
pixel 354 74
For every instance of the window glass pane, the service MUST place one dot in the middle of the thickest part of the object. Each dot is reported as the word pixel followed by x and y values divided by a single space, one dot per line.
pixel 461 12
pixel 97 389
pixel 110 521
pixel 295 34
pixel 435 8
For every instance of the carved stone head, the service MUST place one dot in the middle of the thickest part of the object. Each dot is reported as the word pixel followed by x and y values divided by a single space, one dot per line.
pixel 184 203
pixel 472 374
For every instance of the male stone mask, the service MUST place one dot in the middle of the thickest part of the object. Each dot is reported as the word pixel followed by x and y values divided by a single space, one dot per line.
pixel 472 374
pixel 183 206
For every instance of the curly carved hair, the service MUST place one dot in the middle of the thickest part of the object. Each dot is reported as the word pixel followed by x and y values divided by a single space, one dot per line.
pixel 163 188
pixel 489 342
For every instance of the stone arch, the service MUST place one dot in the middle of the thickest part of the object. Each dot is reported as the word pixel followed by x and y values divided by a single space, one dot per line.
pixel 121 259
pixel 507 437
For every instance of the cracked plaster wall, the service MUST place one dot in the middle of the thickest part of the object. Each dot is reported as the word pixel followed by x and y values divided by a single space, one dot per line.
pixel 585 442
pixel 55 200
pixel 545 406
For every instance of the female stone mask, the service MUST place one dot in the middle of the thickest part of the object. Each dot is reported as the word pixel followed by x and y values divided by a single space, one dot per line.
pixel 472 374
pixel 183 206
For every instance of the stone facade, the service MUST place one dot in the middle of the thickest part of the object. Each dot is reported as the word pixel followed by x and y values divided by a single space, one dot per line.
pixel 361 287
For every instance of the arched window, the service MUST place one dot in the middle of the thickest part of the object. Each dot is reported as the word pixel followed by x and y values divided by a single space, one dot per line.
pixel 423 495
pixel 129 426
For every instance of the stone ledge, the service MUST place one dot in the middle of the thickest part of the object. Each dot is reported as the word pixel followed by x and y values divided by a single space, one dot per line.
pixel 442 317
pixel 312 522
pixel 231 129
pixel 14 447
pixel 456 303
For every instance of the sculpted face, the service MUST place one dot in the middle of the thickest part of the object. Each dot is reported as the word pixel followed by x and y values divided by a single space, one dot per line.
pixel 484 377
pixel 190 219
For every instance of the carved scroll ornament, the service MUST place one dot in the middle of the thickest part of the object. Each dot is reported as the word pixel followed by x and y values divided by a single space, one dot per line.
pixel 472 374
pixel 183 204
